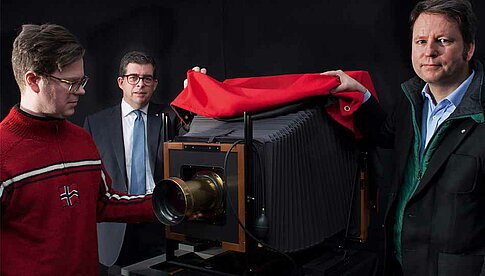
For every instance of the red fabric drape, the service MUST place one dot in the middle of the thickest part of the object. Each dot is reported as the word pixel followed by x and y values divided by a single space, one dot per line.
pixel 208 97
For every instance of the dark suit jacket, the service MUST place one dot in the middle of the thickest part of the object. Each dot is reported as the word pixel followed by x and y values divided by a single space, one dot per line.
pixel 443 229
pixel 106 129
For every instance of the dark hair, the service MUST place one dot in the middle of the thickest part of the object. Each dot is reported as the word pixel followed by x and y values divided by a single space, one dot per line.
pixel 43 49
pixel 138 58
pixel 458 10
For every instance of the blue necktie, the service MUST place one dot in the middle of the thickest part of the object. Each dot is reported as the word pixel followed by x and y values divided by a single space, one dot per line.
pixel 138 166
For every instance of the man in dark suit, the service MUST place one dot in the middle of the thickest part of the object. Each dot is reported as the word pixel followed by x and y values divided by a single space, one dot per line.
pixel 114 130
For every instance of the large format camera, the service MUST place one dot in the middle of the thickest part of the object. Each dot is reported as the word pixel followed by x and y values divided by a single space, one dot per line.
pixel 289 182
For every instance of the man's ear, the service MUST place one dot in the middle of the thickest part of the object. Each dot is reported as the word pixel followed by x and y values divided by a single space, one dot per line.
pixel 120 82
pixel 469 51
pixel 32 80
pixel 155 83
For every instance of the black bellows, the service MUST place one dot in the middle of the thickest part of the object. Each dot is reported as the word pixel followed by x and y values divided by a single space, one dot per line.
pixel 307 165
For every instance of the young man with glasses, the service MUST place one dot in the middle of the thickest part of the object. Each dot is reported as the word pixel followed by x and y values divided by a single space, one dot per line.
pixel 114 131
pixel 53 184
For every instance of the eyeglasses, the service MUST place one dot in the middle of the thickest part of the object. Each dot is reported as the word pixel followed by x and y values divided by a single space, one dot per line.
pixel 133 79
pixel 73 85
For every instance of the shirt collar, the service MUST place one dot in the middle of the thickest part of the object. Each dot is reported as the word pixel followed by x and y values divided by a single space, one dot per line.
pixel 455 96
pixel 126 109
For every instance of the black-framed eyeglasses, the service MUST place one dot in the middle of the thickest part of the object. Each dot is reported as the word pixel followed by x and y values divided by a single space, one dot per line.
pixel 133 79
pixel 73 85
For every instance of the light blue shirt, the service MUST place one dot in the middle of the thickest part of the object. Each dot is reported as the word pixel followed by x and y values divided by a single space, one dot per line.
pixel 435 115
pixel 367 95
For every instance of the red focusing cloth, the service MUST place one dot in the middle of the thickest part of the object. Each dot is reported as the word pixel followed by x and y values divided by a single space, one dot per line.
pixel 221 100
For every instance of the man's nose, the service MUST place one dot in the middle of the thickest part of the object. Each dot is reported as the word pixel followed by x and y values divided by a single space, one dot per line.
pixel 80 91
pixel 431 49
pixel 140 82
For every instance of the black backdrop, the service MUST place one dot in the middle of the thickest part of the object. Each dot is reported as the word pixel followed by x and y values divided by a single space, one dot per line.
pixel 231 38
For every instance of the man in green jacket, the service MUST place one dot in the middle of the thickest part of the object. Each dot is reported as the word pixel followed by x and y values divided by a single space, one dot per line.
pixel 435 221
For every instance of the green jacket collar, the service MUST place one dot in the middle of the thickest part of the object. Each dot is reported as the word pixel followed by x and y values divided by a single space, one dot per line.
pixel 472 105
